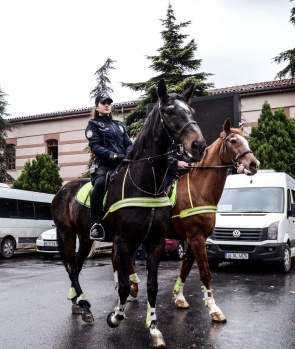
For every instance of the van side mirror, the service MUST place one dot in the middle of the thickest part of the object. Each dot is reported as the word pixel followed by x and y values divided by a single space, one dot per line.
pixel 292 211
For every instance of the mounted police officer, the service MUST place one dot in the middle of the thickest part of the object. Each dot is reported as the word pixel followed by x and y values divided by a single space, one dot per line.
pixel 110 143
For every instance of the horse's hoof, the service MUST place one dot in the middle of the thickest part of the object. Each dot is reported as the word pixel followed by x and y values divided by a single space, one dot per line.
pixel 112 321
pixel 130 299
pixel 157 341
pixel 181 304
pixel 218 317
pixel 87 317
pixel 76 309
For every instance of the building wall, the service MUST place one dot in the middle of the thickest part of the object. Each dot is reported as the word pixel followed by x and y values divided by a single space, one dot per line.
pixel 68 128
pixel 251 106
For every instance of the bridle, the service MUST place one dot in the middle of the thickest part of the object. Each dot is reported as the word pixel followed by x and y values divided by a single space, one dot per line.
pixel 233 157
pixel 168 127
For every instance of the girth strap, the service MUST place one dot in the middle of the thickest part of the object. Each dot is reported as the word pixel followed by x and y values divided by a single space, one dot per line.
pixel 139 202
pixel 196 210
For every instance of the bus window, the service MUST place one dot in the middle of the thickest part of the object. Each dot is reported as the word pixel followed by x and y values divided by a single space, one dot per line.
pixel 42 210
pixel 8 208
pixel 26 209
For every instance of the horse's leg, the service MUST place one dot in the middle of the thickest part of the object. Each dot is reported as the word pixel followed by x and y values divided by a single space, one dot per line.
pixel 185 269
pixel 153 260
pixel 120 259
pixel 199 249
pixel 76 295
pixel 134 281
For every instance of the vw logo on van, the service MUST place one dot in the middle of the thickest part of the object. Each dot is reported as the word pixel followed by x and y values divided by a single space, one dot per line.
pixel 236 233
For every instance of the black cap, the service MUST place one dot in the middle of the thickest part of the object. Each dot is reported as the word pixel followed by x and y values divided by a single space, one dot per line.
pixel 102 97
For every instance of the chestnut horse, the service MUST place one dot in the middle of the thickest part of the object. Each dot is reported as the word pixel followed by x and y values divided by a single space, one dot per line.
pixel 136 209
pixel 193 215
pixel 198 193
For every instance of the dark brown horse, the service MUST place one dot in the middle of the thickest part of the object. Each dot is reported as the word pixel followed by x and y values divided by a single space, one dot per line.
pixel 193 215
pixel 136 208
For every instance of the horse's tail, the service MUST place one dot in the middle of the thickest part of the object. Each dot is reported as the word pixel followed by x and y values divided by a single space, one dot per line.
pixel 61 249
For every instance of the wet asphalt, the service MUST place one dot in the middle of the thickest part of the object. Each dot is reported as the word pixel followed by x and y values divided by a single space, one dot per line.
pixel 257 301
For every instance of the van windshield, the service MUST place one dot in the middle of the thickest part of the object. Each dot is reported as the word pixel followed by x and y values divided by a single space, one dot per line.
pixel 248 200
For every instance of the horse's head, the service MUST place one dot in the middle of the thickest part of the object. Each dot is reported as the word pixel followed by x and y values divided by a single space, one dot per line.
pixel 177 118
pixel 236 149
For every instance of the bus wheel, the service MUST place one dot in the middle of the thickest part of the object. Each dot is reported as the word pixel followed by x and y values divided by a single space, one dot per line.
pixel 7 248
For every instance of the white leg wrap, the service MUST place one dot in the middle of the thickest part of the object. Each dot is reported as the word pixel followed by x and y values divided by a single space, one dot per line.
pixel 213 308
pixel 206 298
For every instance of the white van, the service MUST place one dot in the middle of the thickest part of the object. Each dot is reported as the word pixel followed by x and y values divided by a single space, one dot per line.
pixel 255 220
pixel 24 215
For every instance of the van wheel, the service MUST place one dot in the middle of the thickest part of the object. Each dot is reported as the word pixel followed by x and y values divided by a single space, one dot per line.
pixel 7 248
pixel 285 265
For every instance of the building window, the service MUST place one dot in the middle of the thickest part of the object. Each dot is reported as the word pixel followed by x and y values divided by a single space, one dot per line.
pixel 52 149
pixel 10 157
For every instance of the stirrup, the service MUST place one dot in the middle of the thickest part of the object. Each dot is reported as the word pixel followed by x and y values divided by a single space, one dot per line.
pixel 97 232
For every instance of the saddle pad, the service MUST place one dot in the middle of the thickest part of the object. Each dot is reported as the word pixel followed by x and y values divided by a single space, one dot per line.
pixel 83 195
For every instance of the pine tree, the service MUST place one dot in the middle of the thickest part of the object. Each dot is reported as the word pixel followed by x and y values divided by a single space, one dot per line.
pixel 102 79
pixel 5 126
pixel 272 140
pixel 287 56
pixel 41 175
pixel 175 63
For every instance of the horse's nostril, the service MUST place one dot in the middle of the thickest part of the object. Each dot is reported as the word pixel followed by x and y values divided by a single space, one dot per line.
pixel 253 165
pixel 200 146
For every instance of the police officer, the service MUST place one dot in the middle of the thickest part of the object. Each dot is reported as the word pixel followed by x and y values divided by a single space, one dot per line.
pixel 110 143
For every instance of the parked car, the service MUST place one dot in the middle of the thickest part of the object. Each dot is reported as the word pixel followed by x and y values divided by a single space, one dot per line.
pixel 47 244
pixel 176 248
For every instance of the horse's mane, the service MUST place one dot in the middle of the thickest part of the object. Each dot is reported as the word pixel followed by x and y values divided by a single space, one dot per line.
pixel 151 123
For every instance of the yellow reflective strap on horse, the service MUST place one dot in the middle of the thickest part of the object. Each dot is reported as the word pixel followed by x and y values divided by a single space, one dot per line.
pixel 72 293
pixel 196 210
pixel 123 186
pixel 139 202
pixel 150 315
pixel 134 278
pixel 178 285
pixel 189 190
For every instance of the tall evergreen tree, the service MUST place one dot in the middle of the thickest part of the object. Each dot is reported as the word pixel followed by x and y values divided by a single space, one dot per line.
pixel 103 79
pixel 272 140
pixel 287 56
pixel 5 126
pixel 41 175
pixel 175 63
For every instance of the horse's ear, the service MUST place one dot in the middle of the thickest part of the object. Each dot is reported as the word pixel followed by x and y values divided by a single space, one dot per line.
pixel 162 91
pixel 227 125
pixel 188 93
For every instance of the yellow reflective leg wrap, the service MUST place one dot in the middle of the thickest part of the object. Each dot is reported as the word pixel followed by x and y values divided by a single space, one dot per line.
pixel 72 293
pixel 178 285
pixel 150 315
pixel 83 297
pixel 134 278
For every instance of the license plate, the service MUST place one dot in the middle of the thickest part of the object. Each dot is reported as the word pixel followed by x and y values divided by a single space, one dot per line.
pixel 50 243
pixel 236 256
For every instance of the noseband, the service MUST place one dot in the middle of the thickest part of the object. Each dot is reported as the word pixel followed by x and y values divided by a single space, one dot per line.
pixel 234 157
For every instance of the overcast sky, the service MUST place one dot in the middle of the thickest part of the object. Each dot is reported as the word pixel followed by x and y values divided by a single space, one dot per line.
pixel 50 49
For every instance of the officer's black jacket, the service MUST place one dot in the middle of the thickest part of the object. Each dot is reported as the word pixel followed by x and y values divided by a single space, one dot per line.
pixel 107 137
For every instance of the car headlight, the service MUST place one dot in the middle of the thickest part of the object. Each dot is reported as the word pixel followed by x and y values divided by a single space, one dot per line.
pixel 272 232
pixel 40 237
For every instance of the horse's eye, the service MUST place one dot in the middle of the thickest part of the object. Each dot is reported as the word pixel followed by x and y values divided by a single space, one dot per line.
pixel 169 110
pixel 233 141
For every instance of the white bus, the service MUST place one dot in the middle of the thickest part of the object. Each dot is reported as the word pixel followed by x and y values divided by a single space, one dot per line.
pixel 24 215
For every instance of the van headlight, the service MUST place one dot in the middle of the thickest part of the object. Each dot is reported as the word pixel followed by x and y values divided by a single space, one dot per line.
pixel 272 232
pixel 40 237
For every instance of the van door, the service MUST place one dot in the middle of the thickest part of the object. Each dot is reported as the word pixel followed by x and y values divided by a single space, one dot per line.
pixel 291 220
pixel 26 224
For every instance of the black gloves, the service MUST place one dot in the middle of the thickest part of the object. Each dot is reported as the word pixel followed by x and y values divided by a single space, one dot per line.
pixel 117 159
